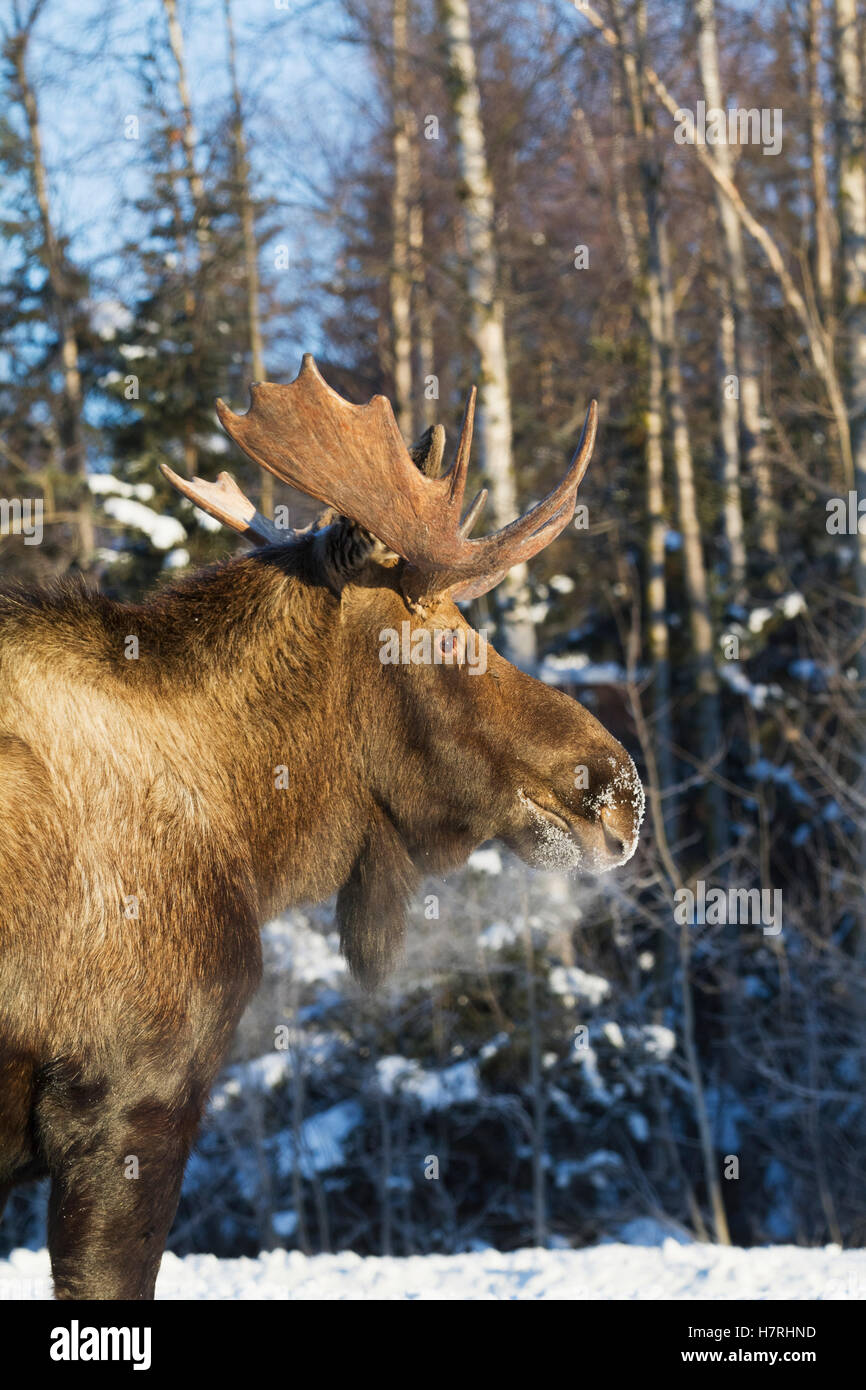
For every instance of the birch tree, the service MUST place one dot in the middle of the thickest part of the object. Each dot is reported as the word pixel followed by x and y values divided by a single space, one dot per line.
pixel 662 319
pixel 661 303
pixel 645 274
pixel 738 348
pixel 487 309
pixel 406 345
pixel 422 307
pixel 818 340
pixel 189 145
pixel 400 278
pixel 63 295
pixel 251 250
pixel 188 135
pixel 728 398
pixel 825 236
pixel 852 223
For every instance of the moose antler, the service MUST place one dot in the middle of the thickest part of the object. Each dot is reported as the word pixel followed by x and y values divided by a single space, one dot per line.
pixel 224 501
pixel 353 458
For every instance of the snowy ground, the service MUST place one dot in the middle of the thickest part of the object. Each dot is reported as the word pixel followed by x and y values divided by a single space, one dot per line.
pixel 669 1270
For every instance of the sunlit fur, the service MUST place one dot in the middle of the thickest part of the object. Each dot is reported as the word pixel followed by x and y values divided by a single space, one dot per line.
pixel 151 784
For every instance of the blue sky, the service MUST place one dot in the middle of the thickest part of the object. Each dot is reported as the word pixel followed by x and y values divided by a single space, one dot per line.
pixel 306 93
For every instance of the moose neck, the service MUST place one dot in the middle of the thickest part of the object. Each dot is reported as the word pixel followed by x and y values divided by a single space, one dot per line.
pixel 250 654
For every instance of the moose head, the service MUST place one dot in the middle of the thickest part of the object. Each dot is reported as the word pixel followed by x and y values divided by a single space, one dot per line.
pixel 453 745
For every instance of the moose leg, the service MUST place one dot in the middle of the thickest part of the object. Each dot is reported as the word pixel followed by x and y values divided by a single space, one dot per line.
pixel 117 1167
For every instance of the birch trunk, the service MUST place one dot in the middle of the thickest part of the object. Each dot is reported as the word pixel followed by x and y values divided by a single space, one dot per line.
pixel 660 307
pixel 852 223
pixel 400 278
pixel 693 555
pixel 825 243
pixel 69 425
pixel 487 312
pixel 709 721
pixel 658 258
pixel 425 412
pixel 747 369
pixel 729 436
pixel 820 345
pixel 187 129
pixel 251 250
pixel 728 399
pixel 189 143
pixel 647 283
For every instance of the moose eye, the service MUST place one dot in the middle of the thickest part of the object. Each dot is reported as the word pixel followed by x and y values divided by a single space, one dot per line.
pixel 449 647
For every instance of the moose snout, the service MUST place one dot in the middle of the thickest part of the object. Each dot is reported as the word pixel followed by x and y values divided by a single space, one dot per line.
pixel 619 805
pixel 620 833
pixel 595 831
pixel 606 838
pixel 608 819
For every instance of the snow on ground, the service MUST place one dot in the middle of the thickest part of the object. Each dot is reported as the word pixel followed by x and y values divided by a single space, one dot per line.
pixel 668 1270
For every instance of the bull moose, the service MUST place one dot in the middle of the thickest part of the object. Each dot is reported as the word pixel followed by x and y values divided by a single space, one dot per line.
pixel 139 746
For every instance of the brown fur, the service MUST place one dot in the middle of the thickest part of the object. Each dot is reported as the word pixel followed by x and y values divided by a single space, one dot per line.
pixel 154 778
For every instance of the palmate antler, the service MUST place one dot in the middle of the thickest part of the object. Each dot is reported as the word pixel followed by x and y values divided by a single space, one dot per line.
pixel 225 501
pixel 353 458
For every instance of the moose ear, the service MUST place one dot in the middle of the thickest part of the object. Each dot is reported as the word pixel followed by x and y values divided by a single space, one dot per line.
pixel 345 548
pixel 428 452
pixel 371 905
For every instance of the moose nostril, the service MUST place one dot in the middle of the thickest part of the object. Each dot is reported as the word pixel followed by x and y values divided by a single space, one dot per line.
pixel 613 838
